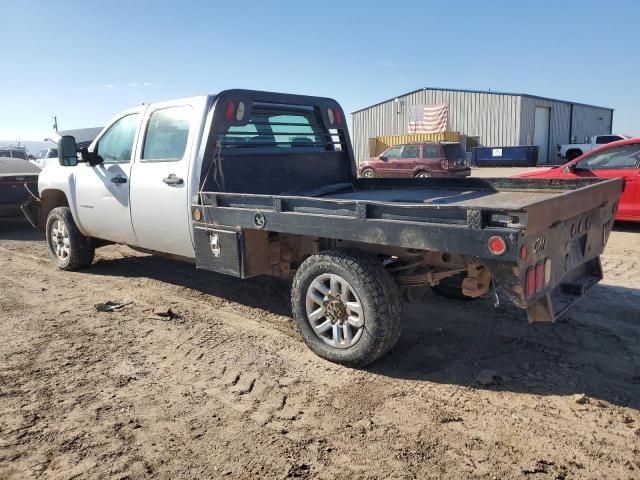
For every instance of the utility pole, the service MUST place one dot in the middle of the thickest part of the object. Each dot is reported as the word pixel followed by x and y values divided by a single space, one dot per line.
pixel 55 123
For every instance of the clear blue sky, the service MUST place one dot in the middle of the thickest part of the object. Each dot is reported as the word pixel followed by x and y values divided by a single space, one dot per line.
pixel 86 60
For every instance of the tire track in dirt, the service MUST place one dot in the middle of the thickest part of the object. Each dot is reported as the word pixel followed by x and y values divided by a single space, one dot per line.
pixel 228 387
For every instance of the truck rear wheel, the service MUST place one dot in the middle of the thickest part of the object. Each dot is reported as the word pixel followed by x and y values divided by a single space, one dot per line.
pixel 346 306
pixel 69 249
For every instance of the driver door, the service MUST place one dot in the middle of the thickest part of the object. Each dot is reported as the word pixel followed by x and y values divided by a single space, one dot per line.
pixel 102 191
pixel 389 162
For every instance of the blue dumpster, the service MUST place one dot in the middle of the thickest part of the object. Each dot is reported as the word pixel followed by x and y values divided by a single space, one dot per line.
pixel 523 156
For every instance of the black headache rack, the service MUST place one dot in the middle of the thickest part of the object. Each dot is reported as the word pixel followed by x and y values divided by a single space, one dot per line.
pixel 270 143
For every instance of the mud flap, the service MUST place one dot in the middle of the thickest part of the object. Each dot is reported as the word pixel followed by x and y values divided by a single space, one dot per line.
pixel 572 288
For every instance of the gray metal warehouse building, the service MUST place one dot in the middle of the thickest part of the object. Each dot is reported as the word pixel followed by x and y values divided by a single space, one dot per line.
pixel 485 118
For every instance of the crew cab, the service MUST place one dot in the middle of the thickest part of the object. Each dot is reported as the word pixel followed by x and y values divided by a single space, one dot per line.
pixel 249 183
pixel 571 151
pixel 421 160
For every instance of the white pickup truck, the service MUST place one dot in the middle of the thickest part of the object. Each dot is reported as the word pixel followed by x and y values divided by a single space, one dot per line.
pixel 571 151
pixel 250 183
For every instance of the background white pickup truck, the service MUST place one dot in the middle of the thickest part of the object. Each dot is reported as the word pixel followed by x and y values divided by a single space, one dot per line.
pixel 571 151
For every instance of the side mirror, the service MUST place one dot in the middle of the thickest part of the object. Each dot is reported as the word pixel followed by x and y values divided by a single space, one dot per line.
pixel 67 154
pixel 383 158
pixel 91 158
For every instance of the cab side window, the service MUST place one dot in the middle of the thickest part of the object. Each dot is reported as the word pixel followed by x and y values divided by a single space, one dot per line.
pixel 393 153
pixel 167 134
pixel 625 156
pixel 411 151
pixel 430 151
pixel 116 145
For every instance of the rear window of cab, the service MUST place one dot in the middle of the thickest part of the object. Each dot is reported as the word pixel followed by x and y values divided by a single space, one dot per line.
pixel 273 128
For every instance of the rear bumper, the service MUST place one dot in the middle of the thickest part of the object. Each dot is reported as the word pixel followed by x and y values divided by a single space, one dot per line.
pixel 559 265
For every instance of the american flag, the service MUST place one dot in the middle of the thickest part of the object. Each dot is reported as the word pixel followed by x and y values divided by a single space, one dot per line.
pixel 428 118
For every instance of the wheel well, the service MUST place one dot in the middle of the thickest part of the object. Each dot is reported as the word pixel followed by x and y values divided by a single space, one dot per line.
pixel 420 170
pixel 50 199
pixel 575 151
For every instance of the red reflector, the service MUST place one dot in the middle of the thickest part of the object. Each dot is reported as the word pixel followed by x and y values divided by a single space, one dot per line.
pixel 338 116
pixel 524 253
pixel 230 112
pixel 530 285
pixel 497 245
pixel 539 276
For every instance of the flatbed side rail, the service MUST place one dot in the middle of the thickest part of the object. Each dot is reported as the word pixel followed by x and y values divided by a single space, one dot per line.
pixel 448 228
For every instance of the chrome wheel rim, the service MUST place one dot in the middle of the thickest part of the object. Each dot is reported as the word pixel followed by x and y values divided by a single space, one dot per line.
pixel 423 175
pixel 335 311
pixel 368 174
pixel 60 243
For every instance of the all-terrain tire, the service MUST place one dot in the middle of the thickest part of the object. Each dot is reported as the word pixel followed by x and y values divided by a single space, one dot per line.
pixel 377 292
pixel 78 251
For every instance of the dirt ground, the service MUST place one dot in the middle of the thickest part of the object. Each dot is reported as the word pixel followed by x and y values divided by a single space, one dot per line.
pixel 228 390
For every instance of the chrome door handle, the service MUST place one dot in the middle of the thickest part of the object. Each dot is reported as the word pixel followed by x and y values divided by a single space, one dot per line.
pixel 172 179
pixel 119 180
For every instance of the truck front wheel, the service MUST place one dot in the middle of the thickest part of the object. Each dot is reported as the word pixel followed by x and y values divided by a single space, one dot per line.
pixel 346 306
pixel 69 249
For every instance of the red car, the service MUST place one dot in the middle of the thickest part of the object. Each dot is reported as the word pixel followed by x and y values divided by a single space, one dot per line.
pixel 432 159
pixel 614 160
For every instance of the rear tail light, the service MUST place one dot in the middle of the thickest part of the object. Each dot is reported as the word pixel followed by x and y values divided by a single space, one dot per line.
pixel 524 252
pixel 335 116
pixel 537 277
pixel 530 285
pixel 444 164
pixel 497 245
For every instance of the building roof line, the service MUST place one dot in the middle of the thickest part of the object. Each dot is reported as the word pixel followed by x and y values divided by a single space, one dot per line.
pixel 439 89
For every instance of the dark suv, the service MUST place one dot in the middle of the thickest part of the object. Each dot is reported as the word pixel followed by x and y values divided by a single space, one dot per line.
pixel 432 159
